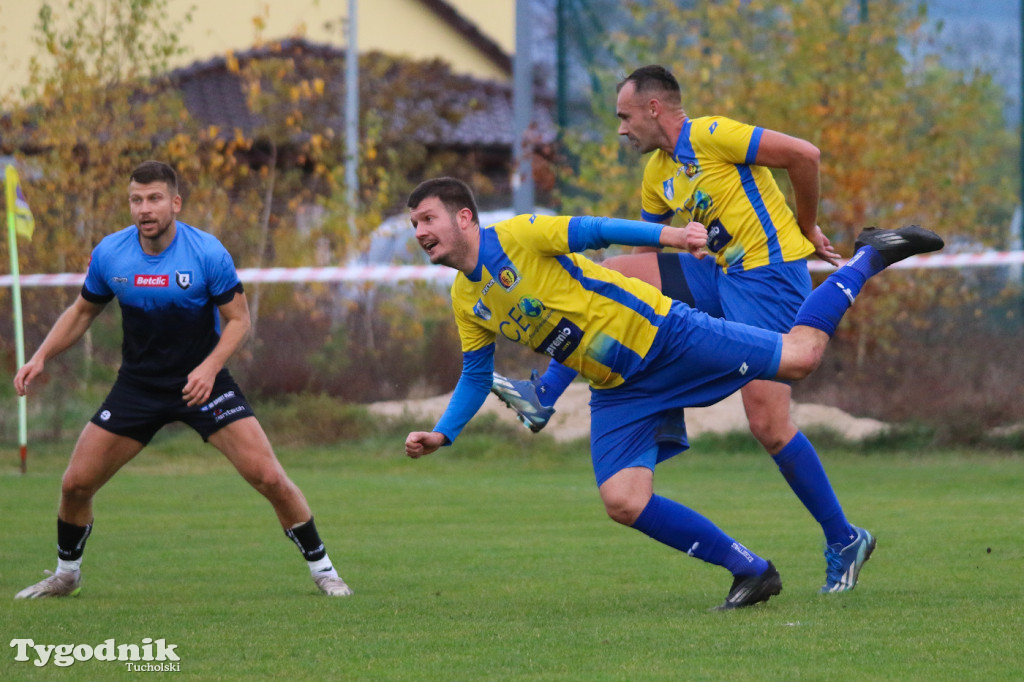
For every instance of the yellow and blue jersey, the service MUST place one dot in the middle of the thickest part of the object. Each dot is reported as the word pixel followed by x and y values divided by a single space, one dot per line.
pixel 534 291
pixel 531 287
pixel 711 178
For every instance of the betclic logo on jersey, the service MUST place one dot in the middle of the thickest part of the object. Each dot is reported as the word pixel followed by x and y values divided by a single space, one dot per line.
pixel 152 280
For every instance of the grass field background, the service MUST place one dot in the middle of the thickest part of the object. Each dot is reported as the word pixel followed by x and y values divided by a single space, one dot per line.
pixel 494 560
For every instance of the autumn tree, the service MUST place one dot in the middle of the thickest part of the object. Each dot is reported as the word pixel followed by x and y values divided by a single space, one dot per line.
pixel 904 139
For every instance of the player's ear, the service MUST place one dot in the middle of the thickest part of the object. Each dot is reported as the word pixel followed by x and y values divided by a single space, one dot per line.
pixel 654 107
pixel 176 203
pixel 464 218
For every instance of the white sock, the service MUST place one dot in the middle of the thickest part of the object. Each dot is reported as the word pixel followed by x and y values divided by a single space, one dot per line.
pixel 69 566
pixel 322 567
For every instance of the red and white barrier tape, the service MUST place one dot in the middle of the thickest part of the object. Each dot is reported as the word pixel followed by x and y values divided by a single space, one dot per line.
pixel 941 260
pixel 381 274
pixel 385 274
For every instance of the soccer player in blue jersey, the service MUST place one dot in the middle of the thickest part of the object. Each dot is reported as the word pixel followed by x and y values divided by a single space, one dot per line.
pixel 715 171
pixel 644 355
pixel 184 313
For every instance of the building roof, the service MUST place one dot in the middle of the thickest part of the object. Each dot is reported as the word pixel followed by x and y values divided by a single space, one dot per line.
pixel 214 94
pixel 471 33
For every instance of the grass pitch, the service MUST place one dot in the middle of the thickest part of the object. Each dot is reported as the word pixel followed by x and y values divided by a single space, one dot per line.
pixel 494 560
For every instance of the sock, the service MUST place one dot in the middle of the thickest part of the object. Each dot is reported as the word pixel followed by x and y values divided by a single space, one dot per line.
pixel 829 302
pixel 307 539
pixel 801 467
pixel 553 382
pixel 682 528
pixel 70 545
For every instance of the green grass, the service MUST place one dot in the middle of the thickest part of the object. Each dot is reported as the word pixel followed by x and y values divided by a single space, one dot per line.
pixel 495 561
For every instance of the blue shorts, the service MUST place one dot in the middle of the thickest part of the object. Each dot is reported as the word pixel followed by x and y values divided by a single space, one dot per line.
pixel 691 280
pixel 138 412
pixel 696 360
pixel 768 296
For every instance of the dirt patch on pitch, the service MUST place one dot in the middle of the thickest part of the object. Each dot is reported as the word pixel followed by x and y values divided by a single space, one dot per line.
pixel 572 415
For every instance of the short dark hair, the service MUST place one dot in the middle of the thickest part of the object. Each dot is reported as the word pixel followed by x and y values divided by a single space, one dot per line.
pixel 155 171
pixel 653 78
pixel 453 193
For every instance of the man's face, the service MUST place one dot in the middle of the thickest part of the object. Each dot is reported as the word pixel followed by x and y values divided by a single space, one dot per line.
pixel 439 233
pixel 153 208
pixel 636 121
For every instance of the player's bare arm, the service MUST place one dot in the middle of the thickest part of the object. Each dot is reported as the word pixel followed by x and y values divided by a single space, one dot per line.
pixel 801 160
pixel 234 316
pixel 66 331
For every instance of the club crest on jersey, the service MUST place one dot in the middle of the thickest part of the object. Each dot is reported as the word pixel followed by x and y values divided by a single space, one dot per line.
pixel 508 278
pixel 481 311
pixel 183 278
pixel 669 189
pixel 691 169
pixel 151 280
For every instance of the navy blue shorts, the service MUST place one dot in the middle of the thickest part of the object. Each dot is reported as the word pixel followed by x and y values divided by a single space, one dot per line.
pixel 138 412
pixel 696 360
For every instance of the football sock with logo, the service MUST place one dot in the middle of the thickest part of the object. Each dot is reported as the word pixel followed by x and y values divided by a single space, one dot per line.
pixel 70 544
pixel 801 467
pixel 307 539
pixel 829 301
pixel 553 382
pixel 682 528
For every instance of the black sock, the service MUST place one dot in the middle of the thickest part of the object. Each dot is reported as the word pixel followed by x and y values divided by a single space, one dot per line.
pixel 71 539
pixel 308 540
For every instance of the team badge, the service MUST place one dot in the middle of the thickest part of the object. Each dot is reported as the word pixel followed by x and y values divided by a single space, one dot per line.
pixel 691 169
pixel 669 189
pixel 482 311
pixel 183 278
pixel 508 278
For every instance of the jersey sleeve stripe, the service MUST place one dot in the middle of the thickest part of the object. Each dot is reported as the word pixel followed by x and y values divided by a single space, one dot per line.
pixel 656 217
pixel 755 144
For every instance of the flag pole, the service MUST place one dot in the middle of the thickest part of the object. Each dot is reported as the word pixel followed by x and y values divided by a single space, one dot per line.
pixel 19 337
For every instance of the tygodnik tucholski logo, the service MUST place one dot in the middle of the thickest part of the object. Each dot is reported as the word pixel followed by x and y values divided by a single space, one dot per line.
pixel 149 656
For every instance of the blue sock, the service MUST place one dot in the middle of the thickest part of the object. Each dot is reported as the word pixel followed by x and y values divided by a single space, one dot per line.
pixel 829 301
pixel 553 382
pixel 681 528
pixel 802 469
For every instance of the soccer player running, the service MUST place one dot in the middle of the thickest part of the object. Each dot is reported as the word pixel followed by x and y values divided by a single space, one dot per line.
pixel 644 355
pixel 171 281
pixel 714 170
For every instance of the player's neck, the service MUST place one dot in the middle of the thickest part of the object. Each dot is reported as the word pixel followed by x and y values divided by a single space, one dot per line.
pixel 673 128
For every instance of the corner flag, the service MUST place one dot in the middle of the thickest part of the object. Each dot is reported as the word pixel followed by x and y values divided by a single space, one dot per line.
pixel 18 212
pixel 19 222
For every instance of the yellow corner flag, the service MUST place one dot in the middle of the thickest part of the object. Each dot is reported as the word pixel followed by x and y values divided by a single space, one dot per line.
pixel 17 206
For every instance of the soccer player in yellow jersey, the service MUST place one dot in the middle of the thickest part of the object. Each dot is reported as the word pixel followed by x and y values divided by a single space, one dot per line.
pixel 645 355
pixel 715 171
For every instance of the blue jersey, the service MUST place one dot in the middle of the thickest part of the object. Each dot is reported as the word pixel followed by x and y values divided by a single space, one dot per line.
pixel 168 301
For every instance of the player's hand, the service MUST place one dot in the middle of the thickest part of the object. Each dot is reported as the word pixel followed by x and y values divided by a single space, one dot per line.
pixel 199 385
pixel 823 247
pixel 29 371
pixel 419 443
pixel 692 238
